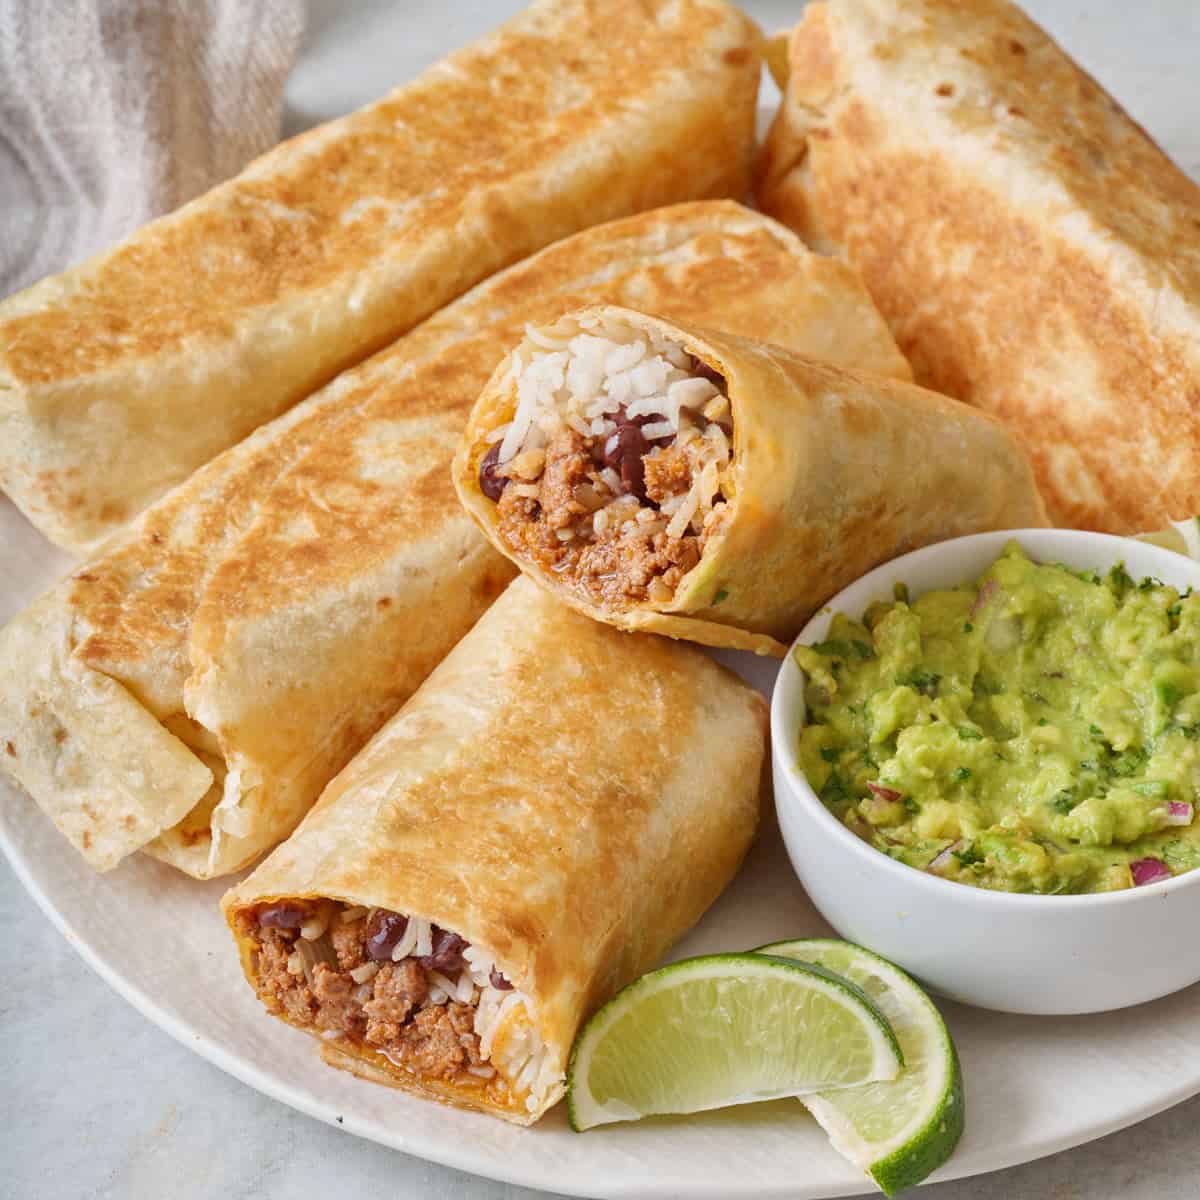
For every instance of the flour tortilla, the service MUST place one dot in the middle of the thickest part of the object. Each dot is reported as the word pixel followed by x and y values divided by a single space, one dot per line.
pixel 121 376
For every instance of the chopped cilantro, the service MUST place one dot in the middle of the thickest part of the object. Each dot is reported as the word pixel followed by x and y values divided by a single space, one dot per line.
pixel 920 679
pixel 960 774
pixel 969 856
pixel 968 734
pixel 1119 579
pixel 831 753
pixel 1191 732
pixel 910 805
pixel 968 627
pixel 1169 693
pixel 1043 721
pixel 723 594
pixel 1095 731
pixel 834 791
pixel 1063 803
pixel 900 592
pixel 1129 763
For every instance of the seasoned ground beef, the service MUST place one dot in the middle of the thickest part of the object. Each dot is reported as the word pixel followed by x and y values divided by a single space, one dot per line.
pixel 568 464
pixel 668 472
pixel 617 564
pixel 348 938
pixel 440 1041
pixel 399 989
pixel 391 1012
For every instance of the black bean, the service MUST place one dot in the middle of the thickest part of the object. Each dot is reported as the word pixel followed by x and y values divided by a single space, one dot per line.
pixel 282 916
pixel 384 930
pixel 499 982
pixel 622 419
pixel 624 455
pixel 491 484
pixel 447 952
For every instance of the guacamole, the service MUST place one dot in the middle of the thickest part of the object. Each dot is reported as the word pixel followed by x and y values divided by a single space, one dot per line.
pixel 1037 731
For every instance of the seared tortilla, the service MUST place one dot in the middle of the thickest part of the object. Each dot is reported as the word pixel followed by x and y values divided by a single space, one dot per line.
pixel 121 376
pixel 832 472
pixel 565 795
pixel 1034 252
pixel 256 625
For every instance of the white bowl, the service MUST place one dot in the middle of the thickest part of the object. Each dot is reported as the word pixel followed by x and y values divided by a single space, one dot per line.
pixel 1016 953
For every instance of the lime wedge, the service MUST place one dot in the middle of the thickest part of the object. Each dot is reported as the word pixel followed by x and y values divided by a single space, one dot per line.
pixel 1182 536
pixel 725 1029
pixel 901 1130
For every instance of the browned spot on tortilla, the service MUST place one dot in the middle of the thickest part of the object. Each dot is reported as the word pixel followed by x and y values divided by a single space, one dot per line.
pixel 11 749
pixel 1016 47
pixel 944 89
pixel 736 57
pixel 60 735
pixel 86 840
pixel 127 821
pixel 384 601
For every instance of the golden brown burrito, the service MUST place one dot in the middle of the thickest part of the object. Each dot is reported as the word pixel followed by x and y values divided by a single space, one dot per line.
pixel 193 687
pixel 667 478
pixel 555 806
pixel 121 376
pixel 1034 252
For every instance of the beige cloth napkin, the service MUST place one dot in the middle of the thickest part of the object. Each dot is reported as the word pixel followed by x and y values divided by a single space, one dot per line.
pixel 115 111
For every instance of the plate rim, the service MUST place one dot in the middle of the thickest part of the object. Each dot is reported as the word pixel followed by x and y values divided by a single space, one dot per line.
pixel 455 1155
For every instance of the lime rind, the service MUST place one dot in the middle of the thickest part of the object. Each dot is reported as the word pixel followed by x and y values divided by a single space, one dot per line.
pixel 678 1039
pixel 900 1131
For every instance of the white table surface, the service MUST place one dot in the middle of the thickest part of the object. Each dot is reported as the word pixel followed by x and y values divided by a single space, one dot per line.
pixel 95 1102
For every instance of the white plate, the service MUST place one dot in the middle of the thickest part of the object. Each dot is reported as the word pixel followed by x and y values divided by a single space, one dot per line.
pixel 1034 1085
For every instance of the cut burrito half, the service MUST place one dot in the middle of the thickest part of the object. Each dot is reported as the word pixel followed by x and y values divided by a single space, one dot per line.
pixel 1035 253
pixel 192 688
pixel 124 374
pixel 555 806
pixel 667 478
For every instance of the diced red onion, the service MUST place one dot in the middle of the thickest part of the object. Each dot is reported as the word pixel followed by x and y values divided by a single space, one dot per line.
pixel 1180 812
pixel 499 982
pixel 986 592
pixel 942 861
pixel 1149 870
pixel 885 793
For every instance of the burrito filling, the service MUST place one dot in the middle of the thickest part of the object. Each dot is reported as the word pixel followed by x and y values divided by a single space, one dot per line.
pixel 418 995
pixel 615 468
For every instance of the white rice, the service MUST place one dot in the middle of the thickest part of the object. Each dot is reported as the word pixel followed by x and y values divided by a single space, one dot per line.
pixel 407 943
pixel 424 944
pixel 573 376
pixel 365 972
pixel 314 928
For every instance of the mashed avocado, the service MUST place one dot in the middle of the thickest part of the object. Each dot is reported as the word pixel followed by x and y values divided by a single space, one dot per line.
pixel 1038 731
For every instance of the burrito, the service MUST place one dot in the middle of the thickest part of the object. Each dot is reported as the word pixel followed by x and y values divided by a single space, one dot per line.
pixel 121 376
pixel 555 806
pixel 1034 252
pixel 663 477
pixel 192 688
